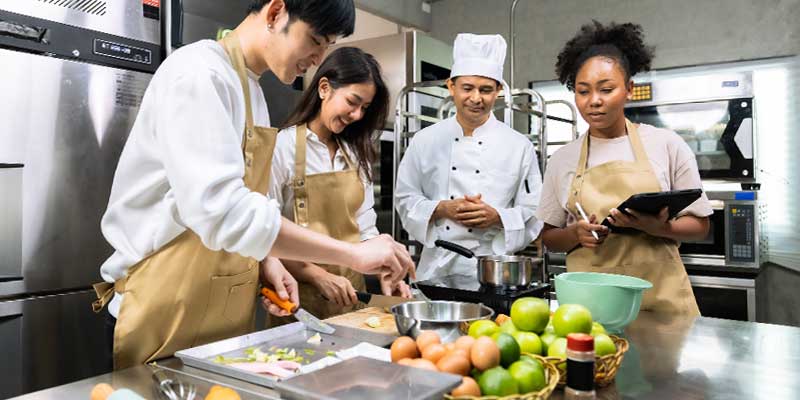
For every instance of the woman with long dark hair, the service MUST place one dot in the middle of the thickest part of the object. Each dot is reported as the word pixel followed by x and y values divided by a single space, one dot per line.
pixel 321 173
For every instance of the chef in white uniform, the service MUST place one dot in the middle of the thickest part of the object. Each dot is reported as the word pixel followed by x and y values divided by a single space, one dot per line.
pixel 469 179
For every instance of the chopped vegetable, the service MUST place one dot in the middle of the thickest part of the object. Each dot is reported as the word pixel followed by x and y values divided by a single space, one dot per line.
pixel 373 322
pixel 254 354
pixel 330 353
pixel 310 352
pixel 316 339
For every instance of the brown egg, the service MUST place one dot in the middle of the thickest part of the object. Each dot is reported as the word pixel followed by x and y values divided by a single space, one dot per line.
pixel 101 391
pixel 405 361
pixel 468 387
pixel 484 353
pixel 462 352
pixel 454 364
pixel 449 347
pixel 404 347
pixel 424 364
pixel 465 342
pixel 434 352
pixel 427 337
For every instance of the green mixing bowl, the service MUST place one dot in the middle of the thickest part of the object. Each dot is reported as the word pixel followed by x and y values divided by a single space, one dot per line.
pixel 614 300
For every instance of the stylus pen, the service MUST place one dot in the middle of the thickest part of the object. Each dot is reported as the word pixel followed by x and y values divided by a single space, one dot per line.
pixel 585 218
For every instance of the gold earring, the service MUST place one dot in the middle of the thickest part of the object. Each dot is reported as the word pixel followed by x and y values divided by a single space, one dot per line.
pixel 269 26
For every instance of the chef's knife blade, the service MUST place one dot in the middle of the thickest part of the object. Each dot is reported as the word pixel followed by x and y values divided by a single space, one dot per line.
pixel 310 321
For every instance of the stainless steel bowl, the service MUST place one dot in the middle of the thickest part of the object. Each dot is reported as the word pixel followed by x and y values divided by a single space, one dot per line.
pixel 508 271
pixel 450 319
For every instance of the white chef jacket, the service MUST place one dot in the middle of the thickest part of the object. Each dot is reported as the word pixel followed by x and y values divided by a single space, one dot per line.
pixel 182 166
pixel 318 161
pixel 441 164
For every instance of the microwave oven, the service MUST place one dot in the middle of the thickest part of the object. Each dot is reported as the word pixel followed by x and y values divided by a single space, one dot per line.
pixel 734 239
pixel 712 113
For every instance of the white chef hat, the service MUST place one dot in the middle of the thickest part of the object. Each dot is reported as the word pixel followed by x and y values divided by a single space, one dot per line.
pixel 481 55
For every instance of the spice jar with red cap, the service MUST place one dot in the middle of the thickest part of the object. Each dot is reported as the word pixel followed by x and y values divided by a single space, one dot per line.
pixel 580 367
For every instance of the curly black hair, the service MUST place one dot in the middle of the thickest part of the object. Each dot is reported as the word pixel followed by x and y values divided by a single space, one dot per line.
pixel 623 43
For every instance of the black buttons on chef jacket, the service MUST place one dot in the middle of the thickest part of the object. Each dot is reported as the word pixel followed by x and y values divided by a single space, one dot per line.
pixel 454 168
pixel 456 139
pixel 480 143
pixel 469 230
pixel 452 197
pixel 447 227
pixel 477 171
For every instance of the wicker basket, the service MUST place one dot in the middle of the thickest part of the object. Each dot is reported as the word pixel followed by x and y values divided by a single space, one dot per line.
pixel 605 367
pixel 551 373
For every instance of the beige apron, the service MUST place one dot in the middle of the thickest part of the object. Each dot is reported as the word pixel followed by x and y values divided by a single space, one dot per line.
pixel 327 203
pixel 184 294
pixel 603 187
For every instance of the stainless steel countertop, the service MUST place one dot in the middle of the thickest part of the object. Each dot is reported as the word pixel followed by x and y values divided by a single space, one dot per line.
pixel 669 358
pixel 706 358
pixel 139 379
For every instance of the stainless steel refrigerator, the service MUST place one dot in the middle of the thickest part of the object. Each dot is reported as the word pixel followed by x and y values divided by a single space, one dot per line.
pixel 72 75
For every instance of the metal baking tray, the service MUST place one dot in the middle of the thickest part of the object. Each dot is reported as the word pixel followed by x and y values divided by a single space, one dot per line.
pixel 292 336
pixel 363 378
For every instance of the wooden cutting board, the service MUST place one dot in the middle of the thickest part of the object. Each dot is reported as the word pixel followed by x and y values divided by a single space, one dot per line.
pixel 356 319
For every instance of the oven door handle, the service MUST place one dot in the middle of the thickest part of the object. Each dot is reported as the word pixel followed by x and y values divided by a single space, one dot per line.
pixel 721 282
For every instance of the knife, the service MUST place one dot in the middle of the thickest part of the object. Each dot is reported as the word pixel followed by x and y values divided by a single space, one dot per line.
pixel 310 321
pixel 376 300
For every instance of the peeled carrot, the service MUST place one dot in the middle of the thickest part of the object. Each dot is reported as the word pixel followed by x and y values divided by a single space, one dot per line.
pixel 274 298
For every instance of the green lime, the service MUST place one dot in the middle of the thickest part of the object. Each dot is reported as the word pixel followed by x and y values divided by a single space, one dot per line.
pixel 482 327
pixel 597 329
pixel 604 345
pixel 509 348
pixel 529 376
pixel 547 338
pixel 530 314
pixel 572 318
pixel 558 348
pixel 475 374
pixel 497 382
pixel 529 342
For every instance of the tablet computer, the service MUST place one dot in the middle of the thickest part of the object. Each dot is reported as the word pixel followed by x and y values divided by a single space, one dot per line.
pixel 652 203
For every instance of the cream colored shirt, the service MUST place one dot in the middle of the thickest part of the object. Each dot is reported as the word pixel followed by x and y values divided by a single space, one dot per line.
pixel 672 161
pixel 182 166
pixel 318 160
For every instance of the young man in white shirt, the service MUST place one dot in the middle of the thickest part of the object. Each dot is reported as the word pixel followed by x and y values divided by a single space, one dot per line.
pixel 188 215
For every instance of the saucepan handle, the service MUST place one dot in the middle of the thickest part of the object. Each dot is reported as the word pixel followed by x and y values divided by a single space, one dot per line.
pixel 455 248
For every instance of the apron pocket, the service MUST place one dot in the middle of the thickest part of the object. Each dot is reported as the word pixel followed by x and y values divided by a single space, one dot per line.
pixel 231 302
pixel 241 298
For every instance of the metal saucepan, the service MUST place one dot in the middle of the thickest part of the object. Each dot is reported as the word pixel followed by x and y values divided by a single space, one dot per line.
pixel 450 319
pixel 499 270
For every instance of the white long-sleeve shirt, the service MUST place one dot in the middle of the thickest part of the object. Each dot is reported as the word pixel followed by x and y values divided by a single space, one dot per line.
pixel 443 164
pixel 318 161
pixel 182 166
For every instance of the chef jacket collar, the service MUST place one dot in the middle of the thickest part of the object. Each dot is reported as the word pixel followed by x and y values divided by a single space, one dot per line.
pixel 480 131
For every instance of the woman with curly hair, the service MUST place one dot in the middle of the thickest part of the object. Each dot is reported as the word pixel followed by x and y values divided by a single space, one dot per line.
pixel 613 160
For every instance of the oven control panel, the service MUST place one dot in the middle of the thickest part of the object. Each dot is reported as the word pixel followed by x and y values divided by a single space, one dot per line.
pixel 742 241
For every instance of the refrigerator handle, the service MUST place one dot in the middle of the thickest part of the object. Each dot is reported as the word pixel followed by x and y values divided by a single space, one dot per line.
pixel 10 309
pixel 24 32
